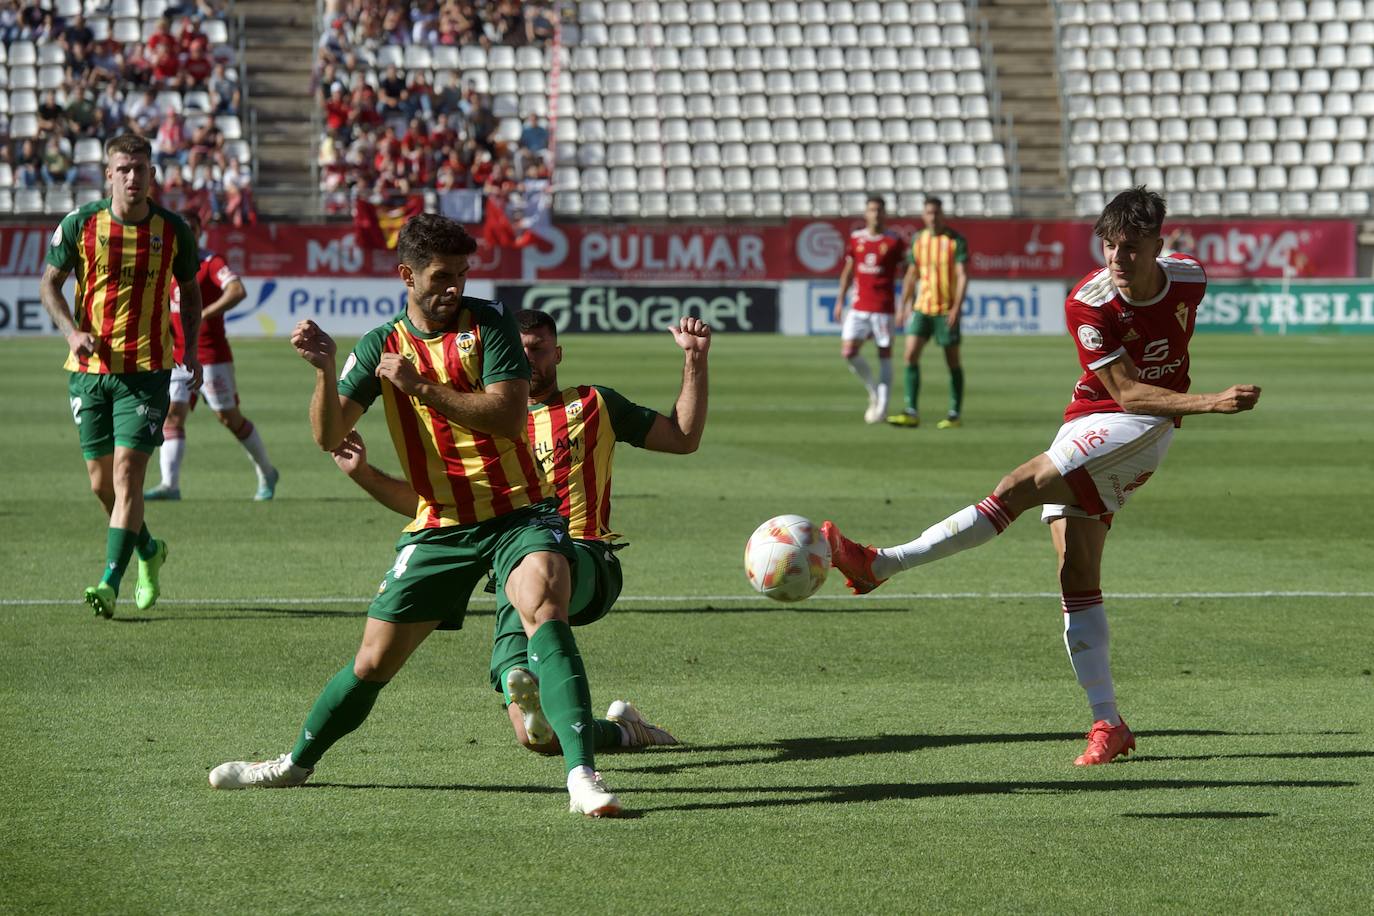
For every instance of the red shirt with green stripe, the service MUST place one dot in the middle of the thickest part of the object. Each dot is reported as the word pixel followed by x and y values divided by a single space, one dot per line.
pixel 124 274
pixel 462 475
pixel 574 434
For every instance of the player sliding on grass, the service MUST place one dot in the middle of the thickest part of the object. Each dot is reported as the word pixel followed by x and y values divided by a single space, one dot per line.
pixel 1131 321
pixel 574 432
pixel 454 382
pixel 126 251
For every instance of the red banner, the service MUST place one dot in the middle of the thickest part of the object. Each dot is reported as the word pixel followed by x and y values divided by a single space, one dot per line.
pixel 1068 249
pixel 800 248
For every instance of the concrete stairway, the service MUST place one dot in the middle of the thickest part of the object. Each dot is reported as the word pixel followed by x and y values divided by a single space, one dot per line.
pixel 1022 37
pixel 280 45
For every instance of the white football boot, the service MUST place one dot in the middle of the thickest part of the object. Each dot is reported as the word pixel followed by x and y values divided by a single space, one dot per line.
pixel 524 692
pixel 635 730
pixel 587 794
pixel 281 773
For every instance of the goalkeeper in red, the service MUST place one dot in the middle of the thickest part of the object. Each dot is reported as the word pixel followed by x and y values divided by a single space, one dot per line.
pixel 1132 322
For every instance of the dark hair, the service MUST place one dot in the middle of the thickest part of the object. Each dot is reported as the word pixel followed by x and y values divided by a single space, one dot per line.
pixel 129 145
pixel 1133 213
pixel 529 319
pixel 429 235
pixel 876 199
pixel 932 199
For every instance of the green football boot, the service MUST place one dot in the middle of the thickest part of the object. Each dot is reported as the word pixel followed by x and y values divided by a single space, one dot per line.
pixel 148 589
pixel 101 598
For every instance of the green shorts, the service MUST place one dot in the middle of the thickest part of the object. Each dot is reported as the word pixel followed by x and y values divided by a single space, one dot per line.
pixel 937 326
pixel 125 409
pixel 436 570
pixel 597 581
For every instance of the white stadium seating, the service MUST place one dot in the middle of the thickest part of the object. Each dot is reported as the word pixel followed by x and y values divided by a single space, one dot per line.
pixel 1229 107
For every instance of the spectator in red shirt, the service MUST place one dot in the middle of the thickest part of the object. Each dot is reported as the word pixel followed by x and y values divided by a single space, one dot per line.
pixel 191 36
pixel 161 38
pixel 166 69
pixel 337 111
pixel 416 136
pixel 197 68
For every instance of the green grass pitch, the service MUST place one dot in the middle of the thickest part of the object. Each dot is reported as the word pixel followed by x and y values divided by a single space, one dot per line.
pixel 906 752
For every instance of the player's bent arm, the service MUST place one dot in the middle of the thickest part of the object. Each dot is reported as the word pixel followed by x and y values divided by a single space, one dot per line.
pixel 392 492
pixel 54 300
pixel 232 294
pixel 499 410
pixel 960 289
pixel 680 434
pixel 1121 380
pixel 846 277
pixel 332 415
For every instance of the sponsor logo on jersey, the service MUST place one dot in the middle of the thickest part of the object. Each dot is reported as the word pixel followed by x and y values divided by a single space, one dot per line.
pixel 1154 373
pixel 1155 351
pixel 1090 337
pixel 1130 336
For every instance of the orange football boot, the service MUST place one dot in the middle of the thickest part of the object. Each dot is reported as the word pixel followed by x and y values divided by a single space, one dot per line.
pixel 1106 742
pixel 852 559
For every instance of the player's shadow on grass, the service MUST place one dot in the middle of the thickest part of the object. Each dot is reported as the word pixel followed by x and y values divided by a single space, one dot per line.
pixel 796 750
pixel 1198 815
pixel 1258 755
pixel 888 791
pixel 244 613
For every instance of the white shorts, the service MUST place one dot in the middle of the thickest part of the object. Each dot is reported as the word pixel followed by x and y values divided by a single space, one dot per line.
pixel 217 387
pixel 1104 457
pixel 863 325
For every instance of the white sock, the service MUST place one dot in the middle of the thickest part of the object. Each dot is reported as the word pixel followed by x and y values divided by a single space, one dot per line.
pixel 969 527
pixel 252 444
pixel 584 771
pixel 169 458
pixel 884 380
pixel 1087 638
pixel 859 366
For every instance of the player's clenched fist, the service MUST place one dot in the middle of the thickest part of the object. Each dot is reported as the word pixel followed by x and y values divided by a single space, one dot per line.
pixel 314 346
pixel 1238 398
pixel 692 335
pixel 399 371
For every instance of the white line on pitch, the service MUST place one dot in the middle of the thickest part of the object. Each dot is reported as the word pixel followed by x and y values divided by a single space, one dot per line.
pixel 672 599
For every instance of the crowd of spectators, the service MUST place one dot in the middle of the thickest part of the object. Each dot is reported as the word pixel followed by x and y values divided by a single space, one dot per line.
pixel 93 77
pixel 391 132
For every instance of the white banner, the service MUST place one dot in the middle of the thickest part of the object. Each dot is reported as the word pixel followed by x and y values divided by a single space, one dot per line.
pixel 347 307
pixel 990 307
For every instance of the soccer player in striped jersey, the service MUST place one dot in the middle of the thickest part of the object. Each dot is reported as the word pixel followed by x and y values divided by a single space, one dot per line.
pixel 1132 322
pixel 220 290
pixel 126 252
pixel 939 267
pixel 454 382
pixel 574 431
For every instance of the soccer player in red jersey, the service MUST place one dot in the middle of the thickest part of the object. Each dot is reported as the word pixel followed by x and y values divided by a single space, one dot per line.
pixel 220 290
pixel 1132 322
pixel 873 256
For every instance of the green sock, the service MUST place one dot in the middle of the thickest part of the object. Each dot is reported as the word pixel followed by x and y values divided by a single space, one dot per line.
pixel 563 692
pixel 607 734
pixel 913 387
pixel 341 707
pixel 956 391
pixel 145 545
pixel 119 549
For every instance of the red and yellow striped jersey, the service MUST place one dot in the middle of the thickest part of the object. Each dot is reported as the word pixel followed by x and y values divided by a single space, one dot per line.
pixel 935 255
pixel 124 274
pixel 462 475
pixel 574 435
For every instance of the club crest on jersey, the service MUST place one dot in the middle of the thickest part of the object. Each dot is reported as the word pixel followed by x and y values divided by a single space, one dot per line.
pixel 1181 313
pixel 1090 337
pixel 575 408
pixel 466 341
pixel 155 244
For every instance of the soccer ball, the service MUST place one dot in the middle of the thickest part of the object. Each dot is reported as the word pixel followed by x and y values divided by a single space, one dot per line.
pixel 786 558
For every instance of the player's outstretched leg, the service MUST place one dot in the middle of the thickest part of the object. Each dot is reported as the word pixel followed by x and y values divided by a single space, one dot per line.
pixel 865 568
pixel 279 773
pixel 635 730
